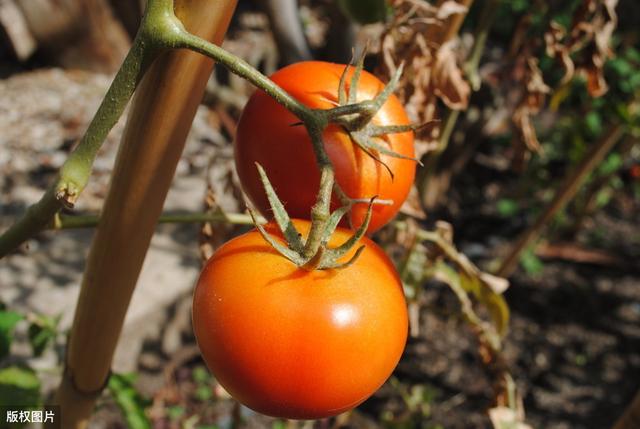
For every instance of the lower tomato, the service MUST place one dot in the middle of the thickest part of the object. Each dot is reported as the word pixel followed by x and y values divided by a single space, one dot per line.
pixel 293 343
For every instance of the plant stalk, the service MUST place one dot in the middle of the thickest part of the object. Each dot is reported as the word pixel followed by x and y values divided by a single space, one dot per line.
pixel 563 195
pixel 75 172
pixel 314 120
pixel 92 220
pixel 158 124
pixel 245 70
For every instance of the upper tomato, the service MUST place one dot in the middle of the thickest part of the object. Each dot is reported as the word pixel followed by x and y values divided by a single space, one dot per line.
pixel 293 343
pixel 266 135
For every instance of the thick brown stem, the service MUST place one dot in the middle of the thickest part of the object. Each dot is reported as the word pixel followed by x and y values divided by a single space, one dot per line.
pixel 159 121
pixel 563 195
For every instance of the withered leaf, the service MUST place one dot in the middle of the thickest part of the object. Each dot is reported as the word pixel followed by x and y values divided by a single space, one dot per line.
pixel 448 81
pixel 450 7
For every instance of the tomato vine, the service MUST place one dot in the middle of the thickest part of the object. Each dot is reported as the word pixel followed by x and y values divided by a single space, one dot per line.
pixel 161 29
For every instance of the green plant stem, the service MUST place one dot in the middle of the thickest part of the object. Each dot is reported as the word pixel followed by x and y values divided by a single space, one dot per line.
pixel 161 29
pixel 75 172
pixel 243 69
pixel 314 120
pixel 92 220
pixel 563 195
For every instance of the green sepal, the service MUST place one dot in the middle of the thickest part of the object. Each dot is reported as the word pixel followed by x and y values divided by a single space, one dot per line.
pixel 338 266
pixel 280 215
pixel 355 78
pixel 361 142
pixel 291 255
pixel 340 251
pixel 333 222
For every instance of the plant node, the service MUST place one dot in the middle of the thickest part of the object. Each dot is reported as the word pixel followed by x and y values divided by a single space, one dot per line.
pixel 323 257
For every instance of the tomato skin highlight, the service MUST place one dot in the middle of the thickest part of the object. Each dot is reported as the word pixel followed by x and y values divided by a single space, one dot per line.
pixel 266 135
pixel 297 344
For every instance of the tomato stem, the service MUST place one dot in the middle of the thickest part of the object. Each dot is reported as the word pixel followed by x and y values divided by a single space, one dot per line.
pixel 74 173
pixel 161 30
pixel 91 220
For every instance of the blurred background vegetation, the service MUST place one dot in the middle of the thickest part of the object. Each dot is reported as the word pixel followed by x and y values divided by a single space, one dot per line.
pixel 537 104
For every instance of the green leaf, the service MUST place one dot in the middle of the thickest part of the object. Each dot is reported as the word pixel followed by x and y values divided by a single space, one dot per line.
pixel 201 375
pixel 8 321
pixel 593 122
pixel 43 332
pixel 203 393
pixel 175 412
pixel 621 66
pixel 470 284
pixel 498 309
pixel 412 270
pixel 131 403
pixel 19 386
pixel 603 197
pixel 495 303
pixel 611 164
pixel 454 280
pixel 531 263
pixel 364 11
pixel 519 6
pixel 507 207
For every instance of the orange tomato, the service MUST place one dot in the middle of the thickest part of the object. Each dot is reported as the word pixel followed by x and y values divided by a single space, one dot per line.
pixel 293 343
pixel 266 135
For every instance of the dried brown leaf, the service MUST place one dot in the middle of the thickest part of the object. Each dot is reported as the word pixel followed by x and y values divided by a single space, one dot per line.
pixel 590 34
pixel 497 284
pixel 450 7
pixel 537 90
pixel 506 418
pixel 407 38
pixel 535 94
pixel 556 49
pixel 448 80
pixel 412 205
pixel 526 130
pixel 576 253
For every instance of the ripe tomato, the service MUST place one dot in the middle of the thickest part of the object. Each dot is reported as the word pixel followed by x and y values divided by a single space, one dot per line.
pixel 266 135
pixel 293 343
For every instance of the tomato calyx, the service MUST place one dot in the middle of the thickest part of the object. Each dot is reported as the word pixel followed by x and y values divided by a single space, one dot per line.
pixel 356 119
pixel 358 124
pixel 304 253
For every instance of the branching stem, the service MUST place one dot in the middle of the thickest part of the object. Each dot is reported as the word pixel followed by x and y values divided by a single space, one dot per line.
pixel 92 220
pixel 75 172
pixel 162 30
